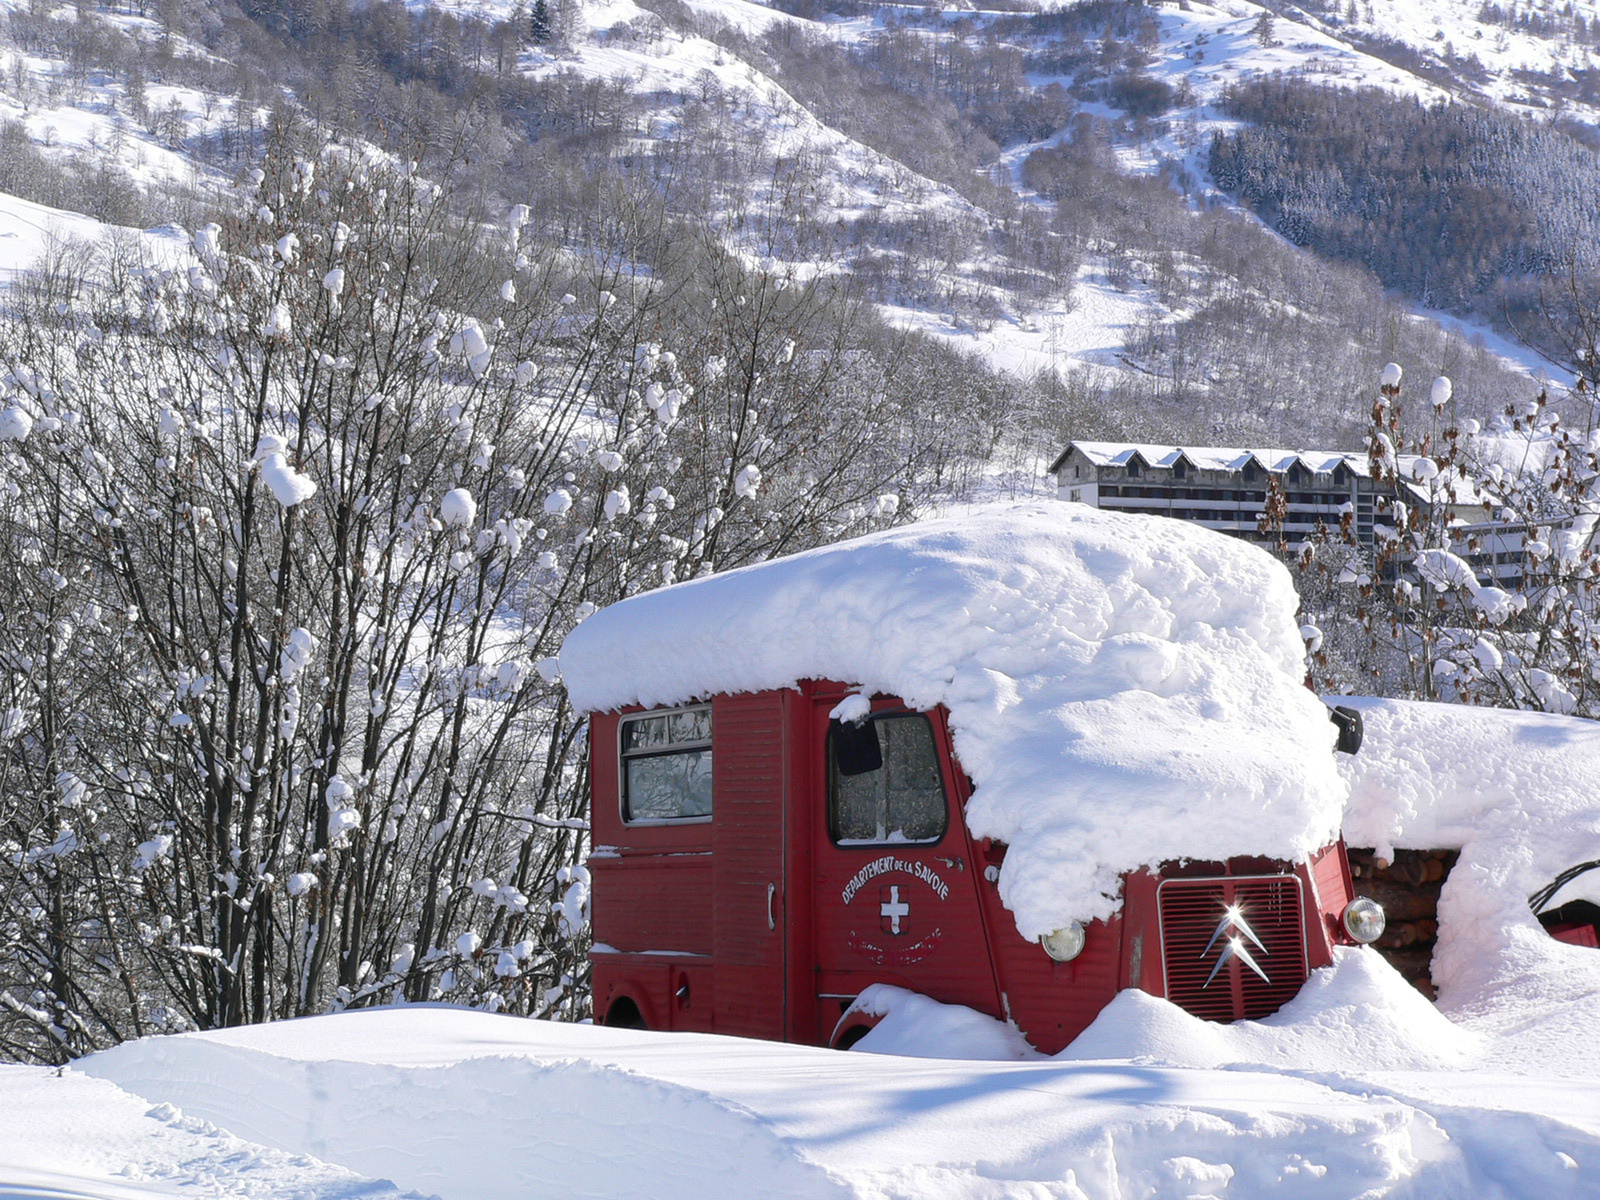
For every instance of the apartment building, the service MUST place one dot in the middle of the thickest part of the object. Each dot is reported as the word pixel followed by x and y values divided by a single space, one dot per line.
pixel 1226 489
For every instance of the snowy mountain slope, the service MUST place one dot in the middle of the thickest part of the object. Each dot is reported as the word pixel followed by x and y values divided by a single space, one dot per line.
pixel 1534 58
pixel 30 232
pixel 1198 49
pixel 669 65
pixel 749 16
pixel 97 118
pixel 1431 50
pixel 936 242
pixel 1202 48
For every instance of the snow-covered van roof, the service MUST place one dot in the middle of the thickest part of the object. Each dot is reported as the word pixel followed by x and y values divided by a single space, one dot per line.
pixel 1123 690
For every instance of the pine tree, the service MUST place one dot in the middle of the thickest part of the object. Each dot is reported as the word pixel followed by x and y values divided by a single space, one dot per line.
pixel 540 24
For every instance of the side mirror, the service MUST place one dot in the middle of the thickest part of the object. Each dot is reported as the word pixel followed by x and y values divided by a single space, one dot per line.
pixel 855 748
pixel 1350 728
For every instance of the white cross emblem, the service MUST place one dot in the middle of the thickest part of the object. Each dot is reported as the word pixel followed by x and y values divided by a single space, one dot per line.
pixel 893 909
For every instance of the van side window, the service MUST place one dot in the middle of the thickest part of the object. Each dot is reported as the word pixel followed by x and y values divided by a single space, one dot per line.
pixel 666 765
pixel 902 800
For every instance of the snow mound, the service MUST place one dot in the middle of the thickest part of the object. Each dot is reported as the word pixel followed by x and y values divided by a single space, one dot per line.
pixel 1084 657
pixel 464 1104
pixel 1515 793
pixel 1357 1015
pixel 491 1128
pixel 68 1136
pixel 916 1026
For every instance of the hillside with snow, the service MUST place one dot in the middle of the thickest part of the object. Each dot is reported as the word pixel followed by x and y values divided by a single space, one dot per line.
pixel 977 174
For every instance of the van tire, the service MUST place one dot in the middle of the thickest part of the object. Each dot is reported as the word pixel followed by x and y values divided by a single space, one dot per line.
pixel 848 1039
pixel 624 1014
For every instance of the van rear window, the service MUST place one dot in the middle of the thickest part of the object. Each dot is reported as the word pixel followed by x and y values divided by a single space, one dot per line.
pixel 666 765
pixel 903 800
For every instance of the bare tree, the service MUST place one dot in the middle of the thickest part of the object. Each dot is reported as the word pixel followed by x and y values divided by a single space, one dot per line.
pixel 1481 584
pixel 299 524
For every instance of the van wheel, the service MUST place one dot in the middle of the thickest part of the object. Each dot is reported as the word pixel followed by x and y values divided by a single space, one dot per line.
pixel 848 1039
pixel 624 1014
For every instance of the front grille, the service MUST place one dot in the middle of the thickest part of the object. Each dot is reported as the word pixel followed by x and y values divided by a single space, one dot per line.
pixel 1190 912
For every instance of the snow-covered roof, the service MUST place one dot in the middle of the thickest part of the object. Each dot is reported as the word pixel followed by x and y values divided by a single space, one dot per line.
pixel 1515 793
pixel 1122 689
pixel 1424 484
pixel 1217 458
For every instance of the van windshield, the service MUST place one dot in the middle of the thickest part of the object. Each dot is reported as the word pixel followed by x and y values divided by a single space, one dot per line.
pixel 903 800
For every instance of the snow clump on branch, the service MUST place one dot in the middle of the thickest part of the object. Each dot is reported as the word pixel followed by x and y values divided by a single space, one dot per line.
pixel 278 325
pixel 342 818
pixel 15 424
pixel 458 508
pixel 471 343
pixel 288 485
pixel 297 652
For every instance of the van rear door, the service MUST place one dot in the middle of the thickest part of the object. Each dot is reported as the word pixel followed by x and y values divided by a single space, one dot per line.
pixel 750 919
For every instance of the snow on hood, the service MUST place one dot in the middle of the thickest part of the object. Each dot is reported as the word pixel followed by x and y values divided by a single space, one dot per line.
pixel 1123 690
pixel 1356 1015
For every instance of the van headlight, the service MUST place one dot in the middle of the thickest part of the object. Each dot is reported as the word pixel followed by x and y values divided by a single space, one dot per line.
pixel 1066 943
pixel 1364 919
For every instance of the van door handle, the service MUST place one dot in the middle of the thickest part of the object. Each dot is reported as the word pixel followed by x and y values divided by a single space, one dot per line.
pixel 772 892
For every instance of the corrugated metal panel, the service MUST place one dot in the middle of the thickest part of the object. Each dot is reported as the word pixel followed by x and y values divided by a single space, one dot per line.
pixel 656 902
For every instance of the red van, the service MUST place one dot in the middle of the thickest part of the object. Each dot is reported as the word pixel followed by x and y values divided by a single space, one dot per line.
pixel 781 817
pixel 758 863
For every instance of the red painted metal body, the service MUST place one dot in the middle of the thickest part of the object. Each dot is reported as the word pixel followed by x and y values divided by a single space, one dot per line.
pixel 757 921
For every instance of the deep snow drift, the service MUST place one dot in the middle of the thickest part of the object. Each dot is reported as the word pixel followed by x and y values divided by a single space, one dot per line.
pixel 462 1104
pixel 1516 794
pixel 1082 654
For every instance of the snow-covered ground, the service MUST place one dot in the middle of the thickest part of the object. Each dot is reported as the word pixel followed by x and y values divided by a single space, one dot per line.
pixel 30 234
pixel 458 1104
